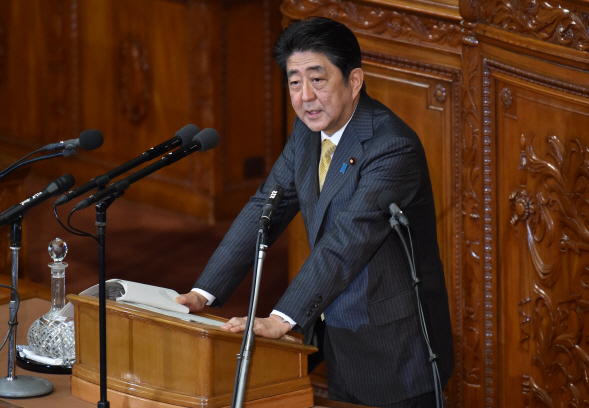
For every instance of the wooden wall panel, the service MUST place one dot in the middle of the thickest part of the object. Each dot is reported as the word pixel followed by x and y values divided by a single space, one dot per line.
pixel 524 105
pixel 508 156
pixel 425 102
pixel 139 70
pixel 543 278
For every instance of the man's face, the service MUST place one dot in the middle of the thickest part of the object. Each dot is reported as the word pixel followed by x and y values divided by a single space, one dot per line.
pixel 319 95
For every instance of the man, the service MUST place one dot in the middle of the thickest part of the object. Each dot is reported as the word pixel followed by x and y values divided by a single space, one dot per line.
pixel 357 277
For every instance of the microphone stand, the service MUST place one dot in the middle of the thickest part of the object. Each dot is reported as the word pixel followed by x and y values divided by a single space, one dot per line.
pixel 416 281
pixel 22 386
pixel 244 356
pixel 101 208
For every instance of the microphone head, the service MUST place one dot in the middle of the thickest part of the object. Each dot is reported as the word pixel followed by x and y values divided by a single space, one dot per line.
pixel 385 199
pixel 187 133
pixel 61 185
pixel 91 139
pixel 208 138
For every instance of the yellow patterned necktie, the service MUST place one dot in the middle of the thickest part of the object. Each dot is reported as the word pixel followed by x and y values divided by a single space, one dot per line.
pixel 327 149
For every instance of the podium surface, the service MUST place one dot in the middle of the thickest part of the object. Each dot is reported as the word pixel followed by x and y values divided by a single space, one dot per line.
pixel 154 360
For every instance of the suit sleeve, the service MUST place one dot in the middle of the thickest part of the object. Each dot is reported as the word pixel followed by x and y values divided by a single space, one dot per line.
pixel 235 255
pixel 357 231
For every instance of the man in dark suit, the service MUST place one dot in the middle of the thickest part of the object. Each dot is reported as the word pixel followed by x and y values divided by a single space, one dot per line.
pixel 355 287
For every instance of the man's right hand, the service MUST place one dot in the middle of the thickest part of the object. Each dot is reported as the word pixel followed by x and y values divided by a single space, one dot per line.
pixel 193 300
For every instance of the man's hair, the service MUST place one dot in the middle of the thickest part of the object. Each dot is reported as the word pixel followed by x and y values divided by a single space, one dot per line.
pixel 319 35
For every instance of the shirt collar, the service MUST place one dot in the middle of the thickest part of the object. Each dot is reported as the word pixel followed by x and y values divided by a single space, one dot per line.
pixel 335 138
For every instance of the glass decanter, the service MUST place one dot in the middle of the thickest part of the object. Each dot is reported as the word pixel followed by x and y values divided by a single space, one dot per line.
pixel 53 335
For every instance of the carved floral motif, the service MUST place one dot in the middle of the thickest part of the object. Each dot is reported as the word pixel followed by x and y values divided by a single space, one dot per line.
pixel 379 21
pixel 559 195
pixel 553 23
pixel 440 93
pixel 552 203
pixel 134 80
pixel 560 361
pixel 506 97
pixel 472 246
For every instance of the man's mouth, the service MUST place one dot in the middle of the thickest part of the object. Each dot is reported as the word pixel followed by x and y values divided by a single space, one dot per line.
pixel 313 112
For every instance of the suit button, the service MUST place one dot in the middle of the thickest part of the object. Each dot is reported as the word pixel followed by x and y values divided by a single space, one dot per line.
pixel 315 304
pixel 320 300
pixel 309 312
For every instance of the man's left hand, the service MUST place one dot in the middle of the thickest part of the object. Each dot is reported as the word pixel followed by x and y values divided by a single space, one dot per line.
pixel 270 327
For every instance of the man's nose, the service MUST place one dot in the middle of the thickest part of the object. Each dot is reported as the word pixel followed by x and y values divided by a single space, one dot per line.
pixel 308 92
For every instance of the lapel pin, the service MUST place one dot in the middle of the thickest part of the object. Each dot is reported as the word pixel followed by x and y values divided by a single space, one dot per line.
pixel 343 169
pixel 352 161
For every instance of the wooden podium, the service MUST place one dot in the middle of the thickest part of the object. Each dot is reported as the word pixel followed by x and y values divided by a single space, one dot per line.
pixel 156 361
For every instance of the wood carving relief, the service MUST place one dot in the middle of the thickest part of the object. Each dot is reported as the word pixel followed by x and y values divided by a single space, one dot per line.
pixel 568 26
pixel 134 80
pixel 440 93
pixel 384 23
pixel 506 97
pixel 552 204
pixel 469 326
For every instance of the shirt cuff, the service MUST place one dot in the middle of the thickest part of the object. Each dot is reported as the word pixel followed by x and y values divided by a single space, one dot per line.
pixel 284 318
pixel 210 298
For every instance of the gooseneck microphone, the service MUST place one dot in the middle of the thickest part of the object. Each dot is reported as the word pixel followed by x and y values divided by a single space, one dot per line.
pixel 89 140
pixel 387 202
pixel 205 140
pixel 56 187
pixel 271 205
pixel 183 137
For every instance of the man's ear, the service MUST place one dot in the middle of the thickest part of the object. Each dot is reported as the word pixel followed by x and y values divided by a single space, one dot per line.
pixel 355 80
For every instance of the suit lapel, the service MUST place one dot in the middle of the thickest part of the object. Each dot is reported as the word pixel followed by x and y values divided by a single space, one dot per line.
pixel 350 146
pixel 310 147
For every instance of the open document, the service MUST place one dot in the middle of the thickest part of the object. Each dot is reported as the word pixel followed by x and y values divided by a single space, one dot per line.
pixel 152 298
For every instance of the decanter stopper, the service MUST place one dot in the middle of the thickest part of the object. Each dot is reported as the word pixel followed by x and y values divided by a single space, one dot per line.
pixel 57 249
pixel 53 335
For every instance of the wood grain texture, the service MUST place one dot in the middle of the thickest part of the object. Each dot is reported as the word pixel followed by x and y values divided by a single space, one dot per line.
pixel 189 365
pixel 138 71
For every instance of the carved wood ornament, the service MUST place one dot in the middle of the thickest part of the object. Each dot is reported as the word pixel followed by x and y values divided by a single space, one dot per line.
pixel 553 23
pixel 470 292
pixel 382 22
pixel 553 205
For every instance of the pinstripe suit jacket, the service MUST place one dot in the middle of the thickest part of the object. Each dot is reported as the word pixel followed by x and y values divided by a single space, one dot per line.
pixel 357 273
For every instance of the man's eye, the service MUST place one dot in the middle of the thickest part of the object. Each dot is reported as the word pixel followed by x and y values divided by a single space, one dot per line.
pixel 294 83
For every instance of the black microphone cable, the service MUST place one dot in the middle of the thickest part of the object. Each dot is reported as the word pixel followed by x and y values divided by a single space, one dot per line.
pixel 89 140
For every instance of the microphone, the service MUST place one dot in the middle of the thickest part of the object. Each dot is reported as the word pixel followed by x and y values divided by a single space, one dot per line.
pixel 89 140
pixel 205 140
pixel 386 201
pixel 271 205
pixel 58 186
pixel 182 138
